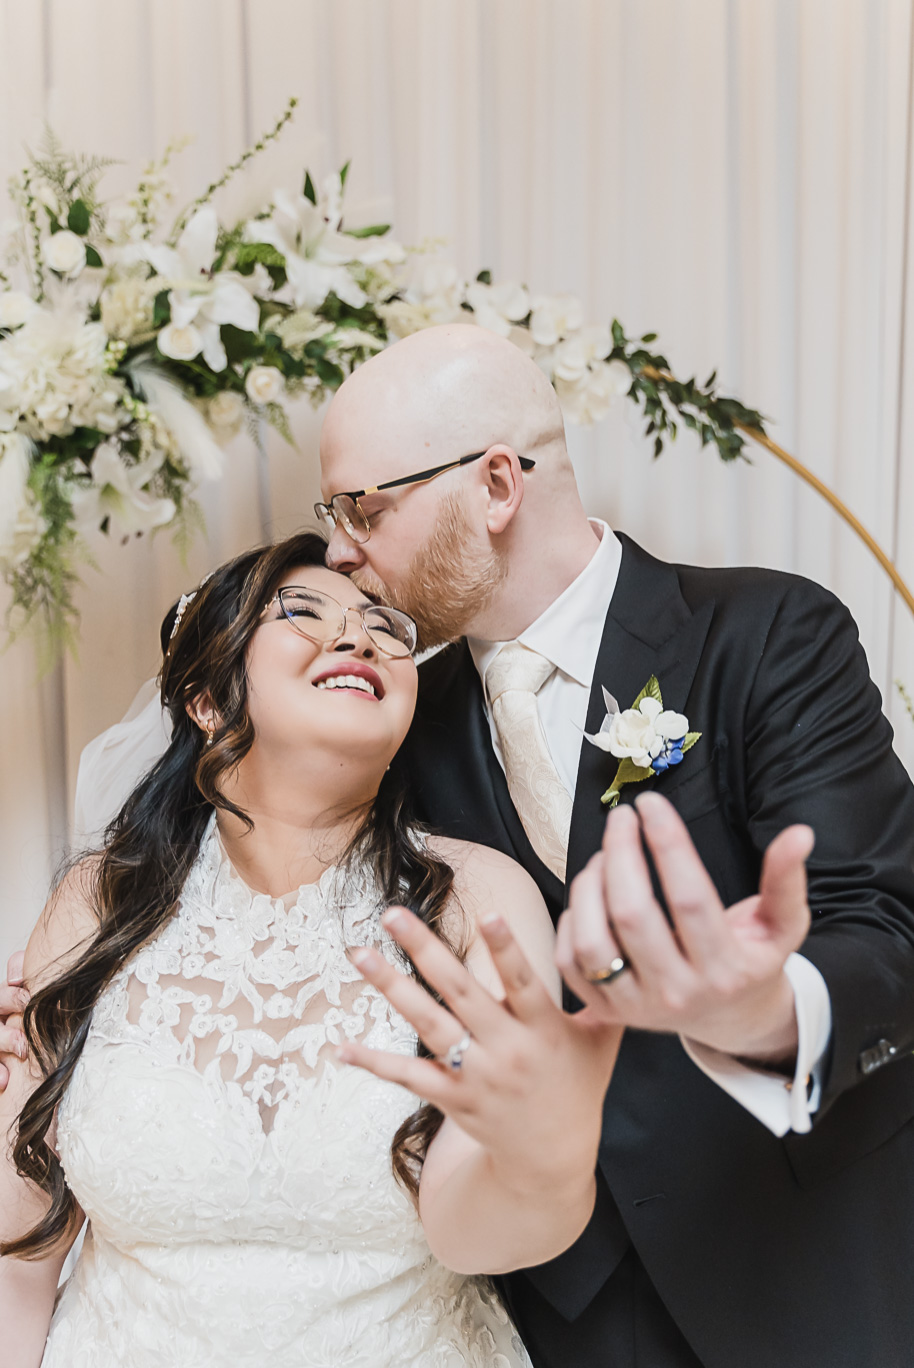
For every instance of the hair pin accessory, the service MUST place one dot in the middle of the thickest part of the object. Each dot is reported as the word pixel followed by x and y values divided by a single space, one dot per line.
pixel 184 603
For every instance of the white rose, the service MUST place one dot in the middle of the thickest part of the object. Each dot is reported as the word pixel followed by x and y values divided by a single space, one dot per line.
pixel 632 737
pixel 64 253
pixel 264 384
pixel 181 344
pixel 16 308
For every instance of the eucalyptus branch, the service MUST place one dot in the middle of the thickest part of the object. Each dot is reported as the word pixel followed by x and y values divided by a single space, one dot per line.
pixel 232 170
pixel 715 417
pixel 146 186
pixel 905 698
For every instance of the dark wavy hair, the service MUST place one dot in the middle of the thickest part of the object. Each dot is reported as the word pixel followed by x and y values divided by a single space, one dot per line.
pixel 150 846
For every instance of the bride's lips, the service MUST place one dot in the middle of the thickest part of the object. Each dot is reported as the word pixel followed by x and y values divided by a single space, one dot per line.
pixel 358 668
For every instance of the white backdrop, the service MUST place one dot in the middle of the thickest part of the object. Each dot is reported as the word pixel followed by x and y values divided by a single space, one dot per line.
pixel 734 174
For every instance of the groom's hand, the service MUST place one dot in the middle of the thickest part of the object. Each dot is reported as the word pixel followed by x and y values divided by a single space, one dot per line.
pixel 13 999
pixel 531 1086
pixel 715 975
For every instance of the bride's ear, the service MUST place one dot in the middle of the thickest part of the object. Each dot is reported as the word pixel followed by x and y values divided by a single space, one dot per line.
pixel 200 710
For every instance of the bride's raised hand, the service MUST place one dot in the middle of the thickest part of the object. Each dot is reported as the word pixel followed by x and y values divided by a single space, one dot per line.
pixel 523 1078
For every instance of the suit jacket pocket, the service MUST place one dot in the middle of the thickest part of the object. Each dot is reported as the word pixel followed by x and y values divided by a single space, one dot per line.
pixel 694 794
pixel 859 1122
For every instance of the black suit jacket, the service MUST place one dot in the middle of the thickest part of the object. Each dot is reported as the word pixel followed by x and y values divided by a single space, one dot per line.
pixel 768 1252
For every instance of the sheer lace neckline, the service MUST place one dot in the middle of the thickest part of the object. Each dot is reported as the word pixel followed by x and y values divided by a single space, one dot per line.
pixel 255 993
pixel 289 899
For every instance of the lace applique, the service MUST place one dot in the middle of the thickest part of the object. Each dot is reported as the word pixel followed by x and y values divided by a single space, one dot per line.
pixel 238 1181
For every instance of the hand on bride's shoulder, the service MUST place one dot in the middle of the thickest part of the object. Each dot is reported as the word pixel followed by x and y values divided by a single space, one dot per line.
pixel 67 924
pixel 485 882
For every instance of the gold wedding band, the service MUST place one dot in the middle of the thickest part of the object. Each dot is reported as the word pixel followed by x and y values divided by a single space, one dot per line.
pixel 607 976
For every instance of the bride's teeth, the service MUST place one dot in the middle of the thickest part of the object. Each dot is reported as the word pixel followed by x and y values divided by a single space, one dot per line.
pixel 348 682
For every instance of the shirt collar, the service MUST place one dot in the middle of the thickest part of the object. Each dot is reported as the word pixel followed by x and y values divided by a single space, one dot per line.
pixel 570 630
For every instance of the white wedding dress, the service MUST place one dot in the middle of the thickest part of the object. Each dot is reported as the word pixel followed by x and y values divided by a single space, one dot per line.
pixel 242 1207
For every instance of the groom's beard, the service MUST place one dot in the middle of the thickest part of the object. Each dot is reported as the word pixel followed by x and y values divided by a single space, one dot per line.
pixel 448 582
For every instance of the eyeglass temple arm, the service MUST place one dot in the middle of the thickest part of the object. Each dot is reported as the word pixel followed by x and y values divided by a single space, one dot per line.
pixel 525 462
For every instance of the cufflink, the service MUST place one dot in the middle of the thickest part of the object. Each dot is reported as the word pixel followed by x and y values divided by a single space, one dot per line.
pixel 874 1058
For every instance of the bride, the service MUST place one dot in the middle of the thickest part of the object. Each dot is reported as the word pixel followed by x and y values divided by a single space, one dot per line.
pixel 196 994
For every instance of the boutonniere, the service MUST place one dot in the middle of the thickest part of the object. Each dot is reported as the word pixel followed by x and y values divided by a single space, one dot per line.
pixel 646 739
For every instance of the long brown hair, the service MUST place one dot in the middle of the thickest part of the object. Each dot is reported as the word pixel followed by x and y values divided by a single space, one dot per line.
pixel 152 843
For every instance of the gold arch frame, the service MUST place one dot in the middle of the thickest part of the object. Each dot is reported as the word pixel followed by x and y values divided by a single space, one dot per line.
pixel 827 494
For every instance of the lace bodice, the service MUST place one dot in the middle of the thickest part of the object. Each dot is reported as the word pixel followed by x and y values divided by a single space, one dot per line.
pixel 242 1206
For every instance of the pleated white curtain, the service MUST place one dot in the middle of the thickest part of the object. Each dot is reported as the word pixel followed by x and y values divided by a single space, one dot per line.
pixel 734 174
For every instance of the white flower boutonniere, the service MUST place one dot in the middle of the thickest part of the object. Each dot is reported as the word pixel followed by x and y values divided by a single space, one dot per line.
pixel 646 739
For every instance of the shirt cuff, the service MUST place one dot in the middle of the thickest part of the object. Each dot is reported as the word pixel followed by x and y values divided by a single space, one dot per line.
pixel 780 1103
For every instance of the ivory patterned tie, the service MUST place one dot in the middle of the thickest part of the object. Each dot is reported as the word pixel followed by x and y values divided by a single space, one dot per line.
pixel 542 801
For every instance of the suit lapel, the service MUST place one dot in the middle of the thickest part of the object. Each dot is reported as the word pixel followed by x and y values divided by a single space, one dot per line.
pixel 649 629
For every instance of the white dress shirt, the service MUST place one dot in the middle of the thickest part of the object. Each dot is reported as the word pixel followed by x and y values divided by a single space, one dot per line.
pixel 568 634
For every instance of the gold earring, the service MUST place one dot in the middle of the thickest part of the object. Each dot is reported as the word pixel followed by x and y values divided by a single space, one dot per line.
pixel 210 732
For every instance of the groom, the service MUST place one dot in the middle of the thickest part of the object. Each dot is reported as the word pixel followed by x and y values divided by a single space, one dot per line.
pixel 755 1194
pixel 755 1200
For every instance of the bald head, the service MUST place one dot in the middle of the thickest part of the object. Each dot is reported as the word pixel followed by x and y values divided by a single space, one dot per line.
pixel 440 394
pixel 481 549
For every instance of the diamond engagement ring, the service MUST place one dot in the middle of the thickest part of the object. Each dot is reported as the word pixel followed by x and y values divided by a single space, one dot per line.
pixel 608 976
pixel 453 1060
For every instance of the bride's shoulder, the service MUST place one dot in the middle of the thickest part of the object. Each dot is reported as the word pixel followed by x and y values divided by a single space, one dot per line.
pixel 480 869
pixel 488 882
pixel 68 922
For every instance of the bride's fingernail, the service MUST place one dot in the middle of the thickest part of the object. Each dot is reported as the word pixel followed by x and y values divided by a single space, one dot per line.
pixel 393 919
pixel 343 1055
pixel 495 926
pixel 359 955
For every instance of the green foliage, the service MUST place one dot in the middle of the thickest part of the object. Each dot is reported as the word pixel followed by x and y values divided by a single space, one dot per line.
pixel 376 230
pixel 667 401
pixel 275 415
pixel 232 170
pixel 43 585
pixel 78 218
pixel 650 690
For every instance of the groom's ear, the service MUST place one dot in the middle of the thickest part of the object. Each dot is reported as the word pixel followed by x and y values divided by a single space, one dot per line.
pixel 504 486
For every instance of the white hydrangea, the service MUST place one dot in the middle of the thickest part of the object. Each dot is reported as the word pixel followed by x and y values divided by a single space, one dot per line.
pixel 127 307
pixel 54 377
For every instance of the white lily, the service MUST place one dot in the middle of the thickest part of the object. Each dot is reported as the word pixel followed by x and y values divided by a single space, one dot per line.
pixel 200 301
pixel 316 255
pixel 118 493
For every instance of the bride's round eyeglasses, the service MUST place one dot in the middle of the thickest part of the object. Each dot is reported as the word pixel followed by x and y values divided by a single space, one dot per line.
pixel 321 619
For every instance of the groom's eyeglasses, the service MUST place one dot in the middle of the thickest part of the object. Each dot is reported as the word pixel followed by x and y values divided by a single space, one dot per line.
pixel 346 509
